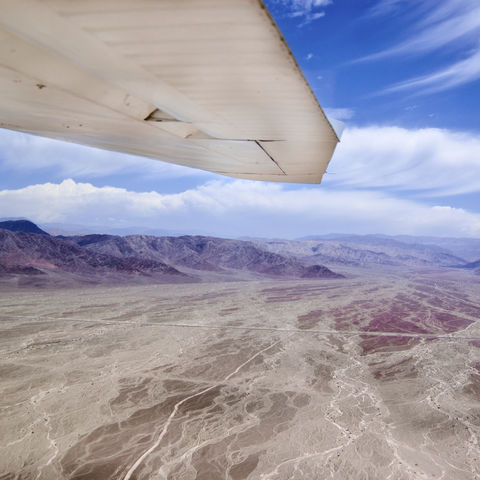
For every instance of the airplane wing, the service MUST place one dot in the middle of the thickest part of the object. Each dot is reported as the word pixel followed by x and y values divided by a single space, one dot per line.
pixel 209 84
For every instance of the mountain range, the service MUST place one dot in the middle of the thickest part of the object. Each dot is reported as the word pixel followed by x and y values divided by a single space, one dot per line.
pixel 364 251
pixel 30 255
pixel 141 258
pixel 467 248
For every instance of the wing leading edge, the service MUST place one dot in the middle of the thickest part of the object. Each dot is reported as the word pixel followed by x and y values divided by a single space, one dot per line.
pixel 209 84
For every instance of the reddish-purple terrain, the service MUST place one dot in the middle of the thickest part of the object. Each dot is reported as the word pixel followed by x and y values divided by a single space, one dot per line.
pixel 136 258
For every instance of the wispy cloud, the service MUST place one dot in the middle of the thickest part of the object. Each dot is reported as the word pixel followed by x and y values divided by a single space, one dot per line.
pixel 306 5
pixel 428 162
pixel 435 25
pixel 238 208
pixel 435 32
pixel 306 10
pixel 382 7
pixel 459 73
pixel 311 17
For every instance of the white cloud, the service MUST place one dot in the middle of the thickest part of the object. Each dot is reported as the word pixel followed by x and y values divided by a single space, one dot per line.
pixel 306 5
pixel 309 56
pixel 439 24
pixel 453 23
pixel 459 73
pixel 433 161
pixel 311 17
pixel 238 208
pixel 304 9
pixel 340 113
pixel 383 7
pixel 382 180
pixel 26 153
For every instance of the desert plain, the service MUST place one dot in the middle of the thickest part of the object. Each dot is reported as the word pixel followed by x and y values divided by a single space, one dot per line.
pixel 374 376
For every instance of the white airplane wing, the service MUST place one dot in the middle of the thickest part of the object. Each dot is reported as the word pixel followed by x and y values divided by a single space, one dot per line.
pixel 209 84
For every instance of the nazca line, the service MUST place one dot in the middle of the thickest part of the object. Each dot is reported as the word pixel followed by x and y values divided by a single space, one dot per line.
pixel 444 336
pixel 175 409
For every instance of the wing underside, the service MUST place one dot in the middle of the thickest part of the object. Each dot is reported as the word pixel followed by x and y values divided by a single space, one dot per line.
pixel 208 84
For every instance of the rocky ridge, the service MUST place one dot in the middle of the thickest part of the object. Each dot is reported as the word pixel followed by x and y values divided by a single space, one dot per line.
pixel 29 253
pixel 204 254
pixel 364 251
pixel 145 258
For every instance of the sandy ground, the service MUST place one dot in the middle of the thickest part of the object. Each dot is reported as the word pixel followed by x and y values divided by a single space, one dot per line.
pixel 372 377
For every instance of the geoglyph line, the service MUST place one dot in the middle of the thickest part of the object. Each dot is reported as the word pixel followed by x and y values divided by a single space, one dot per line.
pixel 443 336
pixel 181 402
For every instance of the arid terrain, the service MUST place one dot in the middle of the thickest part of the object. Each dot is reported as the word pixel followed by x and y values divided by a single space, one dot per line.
pixel 372 376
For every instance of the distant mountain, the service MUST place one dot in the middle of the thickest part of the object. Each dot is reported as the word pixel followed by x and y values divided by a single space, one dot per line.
pixel 365 250
pixel 28 253
pixel 25 226
pixel 109 258
pixel 69 229
pixel 467 248
pixel 209 254
pixel 26 250
pixel 464 248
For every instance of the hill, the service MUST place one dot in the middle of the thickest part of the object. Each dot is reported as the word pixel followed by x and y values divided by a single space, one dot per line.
pixel 201 253
pixel 25 226
pixel 140 258
pixel 463 248
pixel 32 254
pixel 363 250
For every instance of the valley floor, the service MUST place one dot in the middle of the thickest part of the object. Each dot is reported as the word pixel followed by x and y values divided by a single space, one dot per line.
pixel 376 376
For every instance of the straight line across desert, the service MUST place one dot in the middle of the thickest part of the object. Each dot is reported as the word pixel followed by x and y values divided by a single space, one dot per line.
pixel 163 316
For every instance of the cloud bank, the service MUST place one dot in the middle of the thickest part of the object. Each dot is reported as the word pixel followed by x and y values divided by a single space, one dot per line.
pixel 236 208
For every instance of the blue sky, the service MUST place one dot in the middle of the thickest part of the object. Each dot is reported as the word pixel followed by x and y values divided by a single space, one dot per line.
pixel 409 63
pixel 404 76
